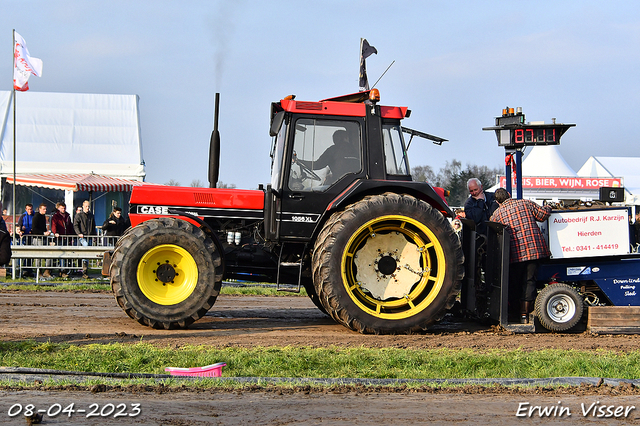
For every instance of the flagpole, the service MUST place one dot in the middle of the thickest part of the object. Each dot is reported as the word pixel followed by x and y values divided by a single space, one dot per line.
pixel 13 207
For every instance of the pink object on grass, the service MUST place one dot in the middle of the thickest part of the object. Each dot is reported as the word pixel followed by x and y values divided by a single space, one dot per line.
pixel 213 370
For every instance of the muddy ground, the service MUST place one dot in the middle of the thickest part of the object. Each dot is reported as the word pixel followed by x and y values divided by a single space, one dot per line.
pixel 83 318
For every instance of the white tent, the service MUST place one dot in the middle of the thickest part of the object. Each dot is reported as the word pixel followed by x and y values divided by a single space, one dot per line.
pixel 71 133
pixel 627 167
pixel 546 161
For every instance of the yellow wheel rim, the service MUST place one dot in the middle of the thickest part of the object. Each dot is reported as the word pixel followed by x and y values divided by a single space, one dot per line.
pixel 167 274
pixel 393 267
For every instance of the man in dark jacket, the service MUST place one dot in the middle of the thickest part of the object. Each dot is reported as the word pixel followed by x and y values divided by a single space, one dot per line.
pixel 5 247
pixel 84 224
pixel 480 205
pixel 115 224
pixel 39 227
pixel 3 224
pixel 39 222
pixel 61 225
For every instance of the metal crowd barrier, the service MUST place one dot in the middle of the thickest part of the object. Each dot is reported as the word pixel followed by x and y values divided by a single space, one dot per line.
pixel 64 253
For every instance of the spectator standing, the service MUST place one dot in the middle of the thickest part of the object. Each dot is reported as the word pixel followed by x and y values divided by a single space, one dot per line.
pixel 527 245
pixel 39 227
pixel 480 205
pixel 61 221
pixel 5 239
pixel 26 220
pixel 478 208
pixel 61 225
pixel 636 227
pixel 3 223
pixel 39 221
pixel 84 225
pixel 5 247
pixel 115 224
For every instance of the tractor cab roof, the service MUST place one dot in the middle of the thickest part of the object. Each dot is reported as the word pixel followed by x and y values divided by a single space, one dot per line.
pixel 352 105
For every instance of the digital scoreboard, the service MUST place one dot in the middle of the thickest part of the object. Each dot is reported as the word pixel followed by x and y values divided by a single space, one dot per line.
pixel 512 131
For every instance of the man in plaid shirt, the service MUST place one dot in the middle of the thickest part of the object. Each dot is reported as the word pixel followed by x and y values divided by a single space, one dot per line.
pixel 527 245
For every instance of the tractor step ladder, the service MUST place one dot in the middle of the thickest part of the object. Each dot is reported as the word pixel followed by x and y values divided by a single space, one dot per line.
pixel 290 287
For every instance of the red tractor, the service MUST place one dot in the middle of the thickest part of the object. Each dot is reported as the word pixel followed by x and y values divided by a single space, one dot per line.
pixel 341 217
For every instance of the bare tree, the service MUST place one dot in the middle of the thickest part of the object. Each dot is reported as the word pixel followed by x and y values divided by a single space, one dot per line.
pixel 197 183
pixel 225 185
pixel 454 178
pixel 173 182
pixel 423 174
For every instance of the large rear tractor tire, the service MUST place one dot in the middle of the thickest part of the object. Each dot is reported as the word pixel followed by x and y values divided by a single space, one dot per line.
pixel 166 273
pixel 387 264
pixel 311 291
pixel 559 307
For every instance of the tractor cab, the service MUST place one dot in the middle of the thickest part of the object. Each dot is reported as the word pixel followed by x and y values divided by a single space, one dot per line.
pixel 321 149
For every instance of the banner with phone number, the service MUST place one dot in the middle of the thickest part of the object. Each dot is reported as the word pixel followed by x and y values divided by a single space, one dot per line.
pixel 589 233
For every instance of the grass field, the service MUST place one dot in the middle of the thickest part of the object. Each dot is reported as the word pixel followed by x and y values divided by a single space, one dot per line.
pixel 324 362
pixel 99 285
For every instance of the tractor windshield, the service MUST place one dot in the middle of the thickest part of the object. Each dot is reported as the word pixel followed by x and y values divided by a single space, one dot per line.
pixel 395 153
pixel 323 152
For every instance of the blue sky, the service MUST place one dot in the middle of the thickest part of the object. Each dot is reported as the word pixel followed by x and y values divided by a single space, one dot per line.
pixel 457 64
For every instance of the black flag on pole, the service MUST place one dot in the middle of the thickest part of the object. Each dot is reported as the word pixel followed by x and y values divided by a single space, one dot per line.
pixel 366 50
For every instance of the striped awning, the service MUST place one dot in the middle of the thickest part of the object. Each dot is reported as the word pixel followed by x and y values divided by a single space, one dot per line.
pixel 76 182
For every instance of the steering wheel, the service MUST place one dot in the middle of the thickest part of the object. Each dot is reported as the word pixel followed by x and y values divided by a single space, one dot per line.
pixel 310 173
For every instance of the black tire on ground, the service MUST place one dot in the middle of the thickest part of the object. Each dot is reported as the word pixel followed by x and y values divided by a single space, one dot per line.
pixel 311 292
pixel 124 234
pixel 166 273
pixel 387 264
pixel 559 307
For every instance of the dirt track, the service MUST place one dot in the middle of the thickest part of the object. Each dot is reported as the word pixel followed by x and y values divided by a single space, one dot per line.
pixel 270 408
pixel 82 318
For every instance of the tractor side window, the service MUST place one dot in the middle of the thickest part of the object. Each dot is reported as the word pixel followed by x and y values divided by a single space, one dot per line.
pixel 277 155
pixel 323 152
pixel 395 155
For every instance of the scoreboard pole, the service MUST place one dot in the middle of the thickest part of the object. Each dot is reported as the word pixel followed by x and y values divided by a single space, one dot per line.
pixel 519 174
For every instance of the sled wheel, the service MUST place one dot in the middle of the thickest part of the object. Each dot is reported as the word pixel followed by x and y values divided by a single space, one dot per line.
pixel 165 273
pixel 387 264
pixel 559 307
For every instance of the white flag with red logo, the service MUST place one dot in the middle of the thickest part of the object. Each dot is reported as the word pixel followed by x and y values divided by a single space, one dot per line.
pixel 24 65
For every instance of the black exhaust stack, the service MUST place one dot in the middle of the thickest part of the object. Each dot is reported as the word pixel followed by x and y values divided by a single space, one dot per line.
pixel 214 147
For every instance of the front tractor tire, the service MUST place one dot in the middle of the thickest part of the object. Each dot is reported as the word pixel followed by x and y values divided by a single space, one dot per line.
pixel 166 273
pixel 387 264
